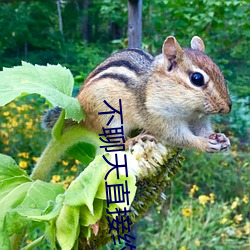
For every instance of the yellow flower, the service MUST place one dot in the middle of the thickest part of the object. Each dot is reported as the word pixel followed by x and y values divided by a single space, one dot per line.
pixel 211 195
pixel 35 159
pixel 24 154
pixel 65 185
pixel 247 227
pixel 77 162
pixel 223 220
pixel 6 113
pixel 203 199
pixel 65 163
pixel 73 168
pixel 225 164
pixel 245 199
pixel 14 123
pixel 12 105
pixel 238 233
pixel 23 164
pixel 4 134
pixel 223 235
pixel 70 178
pixel 29 124
pixel 235 203
pixel 193 190
pixel 238 218
pixel 197 242
pixel 187 211
pixel 234 152
pixel 182 248
pixel 55 178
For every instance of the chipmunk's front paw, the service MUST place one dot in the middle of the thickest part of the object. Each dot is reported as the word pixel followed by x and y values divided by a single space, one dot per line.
pixel 141 139
pixel 218 142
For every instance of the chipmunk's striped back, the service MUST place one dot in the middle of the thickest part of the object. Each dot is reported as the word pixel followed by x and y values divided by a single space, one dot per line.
pixel 124 66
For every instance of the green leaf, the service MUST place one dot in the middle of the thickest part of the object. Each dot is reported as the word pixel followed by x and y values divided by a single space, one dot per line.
pixel 6 186
pixel 83 189
pixel 83 152
pixel 9 168
pixel 67 226
pixel 86 218
pixel 39 194
pixel 112 180
pixel 53 82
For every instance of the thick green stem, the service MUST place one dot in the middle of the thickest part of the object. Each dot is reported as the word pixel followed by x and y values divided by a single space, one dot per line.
pixel 57 147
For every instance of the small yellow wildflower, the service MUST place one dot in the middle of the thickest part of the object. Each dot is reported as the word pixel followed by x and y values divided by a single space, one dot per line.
pixel 247 227
pixel 12 105
pixel 24 154
pixel 65 163
pixel 211 195
pixel 55 178
pixel 187 211
pixel 223 220
pixel 29 124
pixel 23 164
pixel 65 185
pixel 234 152
pixel 70 178
pixel 203 199
pixel 6 113
pixel 223 235
pixel 77 162
pixel 28 241
pixel 197 242
pixel 245 199
pixel 73 168
pixel 14 123
pixel 238 233
pixel 238 218
pixel 4 134
pixel 224 164
pixel 235 203
pixel 183 248
pixel 35 159
pixel 193 190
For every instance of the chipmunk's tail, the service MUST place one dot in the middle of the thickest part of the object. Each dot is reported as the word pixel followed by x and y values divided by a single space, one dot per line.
pixel 50 117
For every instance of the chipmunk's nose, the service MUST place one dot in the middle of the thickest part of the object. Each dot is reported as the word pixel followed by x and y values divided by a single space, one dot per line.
pixel 227 108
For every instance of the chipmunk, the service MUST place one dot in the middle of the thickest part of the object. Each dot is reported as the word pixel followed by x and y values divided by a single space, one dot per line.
pixel 170 96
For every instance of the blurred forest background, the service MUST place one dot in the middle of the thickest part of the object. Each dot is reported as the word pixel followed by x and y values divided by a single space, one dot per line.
pixel 207 206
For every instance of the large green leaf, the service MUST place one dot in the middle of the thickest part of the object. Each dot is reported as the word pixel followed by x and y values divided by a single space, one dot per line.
pixel 21 199
pixel 67 226
pixel 53 82
pixel 9 168
pixel 84 152
pixel 83 189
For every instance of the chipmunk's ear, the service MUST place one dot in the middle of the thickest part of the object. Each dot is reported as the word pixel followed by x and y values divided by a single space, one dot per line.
pixel 171 49
pixel 197 43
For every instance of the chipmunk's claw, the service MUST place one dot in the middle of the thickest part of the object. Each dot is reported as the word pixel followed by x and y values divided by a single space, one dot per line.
pixel 141 139
pixel 218 142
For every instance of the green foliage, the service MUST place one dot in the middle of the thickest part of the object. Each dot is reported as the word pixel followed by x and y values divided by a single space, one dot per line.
pixel 52 82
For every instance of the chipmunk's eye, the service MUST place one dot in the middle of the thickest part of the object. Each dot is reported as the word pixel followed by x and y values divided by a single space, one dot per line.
pixel 197 79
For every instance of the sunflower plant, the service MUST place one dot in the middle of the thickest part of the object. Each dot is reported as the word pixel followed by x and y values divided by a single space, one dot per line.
pixel 75 218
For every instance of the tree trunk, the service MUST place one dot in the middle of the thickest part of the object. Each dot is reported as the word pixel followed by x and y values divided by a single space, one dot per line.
pixel 59 16
pixel 85 20
pixel 134 23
